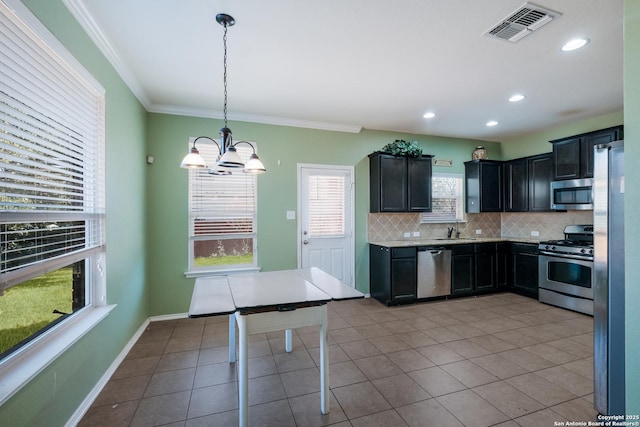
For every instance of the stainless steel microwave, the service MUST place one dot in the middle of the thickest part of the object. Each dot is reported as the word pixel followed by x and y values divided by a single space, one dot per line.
pixel 572 194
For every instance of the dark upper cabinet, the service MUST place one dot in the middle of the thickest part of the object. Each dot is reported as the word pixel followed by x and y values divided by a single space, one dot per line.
pixel 589 141
pixel 419 184
pixel 399 184
pixel 516 186
pixel 540 171
pixel 527 184
pixel 573 156
pixel 483 183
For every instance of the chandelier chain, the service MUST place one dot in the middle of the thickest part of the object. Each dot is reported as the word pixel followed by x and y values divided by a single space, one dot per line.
pixel 224 39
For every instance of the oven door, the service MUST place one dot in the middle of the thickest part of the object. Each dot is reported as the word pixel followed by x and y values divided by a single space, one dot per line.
pixel 566 274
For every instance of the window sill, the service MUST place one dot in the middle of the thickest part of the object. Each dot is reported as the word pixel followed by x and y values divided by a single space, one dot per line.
pixel 20 368
pixel 221 272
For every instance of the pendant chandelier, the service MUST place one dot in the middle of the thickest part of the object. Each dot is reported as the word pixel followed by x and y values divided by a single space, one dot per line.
pixel 228 161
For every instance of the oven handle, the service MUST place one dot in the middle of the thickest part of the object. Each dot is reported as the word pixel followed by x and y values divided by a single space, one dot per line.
pixel 570 256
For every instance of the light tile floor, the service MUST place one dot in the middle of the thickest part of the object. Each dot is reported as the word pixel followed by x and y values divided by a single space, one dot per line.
pixel 502 359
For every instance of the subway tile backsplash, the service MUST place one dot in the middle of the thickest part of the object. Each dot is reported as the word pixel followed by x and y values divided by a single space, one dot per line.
pixel 549 225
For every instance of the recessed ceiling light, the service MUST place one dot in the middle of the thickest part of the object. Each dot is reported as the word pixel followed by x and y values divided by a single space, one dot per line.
pixel 429 115
pixel 574 44
pixel 516 98
pixel 492 123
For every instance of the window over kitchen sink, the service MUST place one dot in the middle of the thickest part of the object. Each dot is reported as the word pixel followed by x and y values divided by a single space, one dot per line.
pixel 446 193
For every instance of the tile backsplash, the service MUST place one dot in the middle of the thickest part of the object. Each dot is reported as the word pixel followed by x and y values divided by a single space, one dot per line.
pixel 549 225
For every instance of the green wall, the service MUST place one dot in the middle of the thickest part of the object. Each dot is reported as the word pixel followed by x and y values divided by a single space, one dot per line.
pixel 52 396
pixel 538 142
pixel 632 201
pixel 281 148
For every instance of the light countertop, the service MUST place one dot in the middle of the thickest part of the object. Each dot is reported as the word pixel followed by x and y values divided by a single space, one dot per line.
pixel 447 242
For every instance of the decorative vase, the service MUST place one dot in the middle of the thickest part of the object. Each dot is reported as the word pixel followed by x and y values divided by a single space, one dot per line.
pixel 480 153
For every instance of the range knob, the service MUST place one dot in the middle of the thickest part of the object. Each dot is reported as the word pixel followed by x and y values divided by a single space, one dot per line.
pixel 583 251
pixel 590 251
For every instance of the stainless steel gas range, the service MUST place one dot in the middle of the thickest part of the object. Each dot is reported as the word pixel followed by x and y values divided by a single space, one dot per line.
pixel 565 270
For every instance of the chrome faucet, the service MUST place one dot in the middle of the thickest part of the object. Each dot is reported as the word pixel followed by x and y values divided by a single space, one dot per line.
pixel 450 231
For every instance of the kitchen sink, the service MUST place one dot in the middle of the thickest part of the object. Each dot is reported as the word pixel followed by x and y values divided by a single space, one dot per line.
pixel 453 240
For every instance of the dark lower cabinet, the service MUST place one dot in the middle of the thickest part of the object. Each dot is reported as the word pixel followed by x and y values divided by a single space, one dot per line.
pixel 462 270
pixel 503 249
pixel 393 274
pixel 524 269
pixel 485 267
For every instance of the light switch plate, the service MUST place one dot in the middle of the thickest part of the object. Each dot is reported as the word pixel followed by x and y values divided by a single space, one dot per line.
pixel 291 214
pixel 478 231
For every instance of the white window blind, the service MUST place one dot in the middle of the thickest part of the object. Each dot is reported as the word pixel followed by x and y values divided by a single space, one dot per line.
pixel 446 199
pixel 326 205
pixel 222 214
pixel 52 157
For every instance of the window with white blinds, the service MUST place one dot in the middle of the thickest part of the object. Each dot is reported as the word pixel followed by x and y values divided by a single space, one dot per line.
pixel 446 199
pixel 222 213
pixel 326 205
pixel 52 157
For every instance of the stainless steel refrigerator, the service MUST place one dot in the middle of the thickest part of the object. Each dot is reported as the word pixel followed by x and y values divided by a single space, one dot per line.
pixel 608 278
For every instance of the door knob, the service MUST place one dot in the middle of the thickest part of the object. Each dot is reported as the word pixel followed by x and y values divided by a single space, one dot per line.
pixel 305 242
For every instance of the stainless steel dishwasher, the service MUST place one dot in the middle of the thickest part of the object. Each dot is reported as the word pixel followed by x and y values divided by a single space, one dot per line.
pixel 434 272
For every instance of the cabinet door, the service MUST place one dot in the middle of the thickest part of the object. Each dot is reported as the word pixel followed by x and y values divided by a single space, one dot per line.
pixel 380 273
pixel 540 176
pixel 566 157
pixel 525 273
pixel 502 263
pixel 419 184
pixel 491 194
pixel 403 279
pixel 516 183
pixel 591 140
pixel 462 274
pixel 393 184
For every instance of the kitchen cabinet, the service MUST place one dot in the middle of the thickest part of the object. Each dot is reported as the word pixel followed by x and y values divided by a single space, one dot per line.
pixel 485 267
pixel 524 269
pixel 540 171
pixel 573 155
pixel 483 183
pixel 527 184
pixel 393 274
pixel 516 185
pixel 503 249
pixel 462 270
pixel 478 268
pixel 399 184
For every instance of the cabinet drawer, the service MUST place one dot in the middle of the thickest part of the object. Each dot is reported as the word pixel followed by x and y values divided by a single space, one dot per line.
pixel 403 252
pixel 461 249
pixel 526 248
pixel 484 247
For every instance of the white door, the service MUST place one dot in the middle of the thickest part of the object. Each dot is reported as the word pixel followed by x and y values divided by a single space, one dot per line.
pixel 325 224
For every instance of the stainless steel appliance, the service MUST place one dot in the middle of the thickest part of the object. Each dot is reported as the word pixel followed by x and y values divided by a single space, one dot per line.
pixel 565 268
pixel 608 278
pixel 434 272
pixel 572 194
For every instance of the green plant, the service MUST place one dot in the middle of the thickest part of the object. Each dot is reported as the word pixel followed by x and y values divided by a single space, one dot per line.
pixel 400 147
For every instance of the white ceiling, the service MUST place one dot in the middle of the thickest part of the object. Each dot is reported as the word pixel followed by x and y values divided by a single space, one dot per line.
pixel 375 64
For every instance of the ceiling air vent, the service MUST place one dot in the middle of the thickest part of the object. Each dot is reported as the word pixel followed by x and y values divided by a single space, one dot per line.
pixel 528 18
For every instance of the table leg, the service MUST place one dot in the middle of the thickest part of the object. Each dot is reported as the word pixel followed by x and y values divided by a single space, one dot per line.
pixel 232 338
pixel 288 338
pixel 324 363
pixel 243 372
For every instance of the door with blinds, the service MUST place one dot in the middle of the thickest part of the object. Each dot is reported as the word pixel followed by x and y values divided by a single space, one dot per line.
pixel 325 225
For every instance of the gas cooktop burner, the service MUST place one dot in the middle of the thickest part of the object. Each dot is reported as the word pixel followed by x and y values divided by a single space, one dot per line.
pixel 578 241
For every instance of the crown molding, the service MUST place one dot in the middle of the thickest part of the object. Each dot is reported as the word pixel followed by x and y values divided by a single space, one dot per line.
pixel 95 32
pixel 252 118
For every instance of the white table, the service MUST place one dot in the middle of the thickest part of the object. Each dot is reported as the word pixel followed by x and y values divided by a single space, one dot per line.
pixel 266 302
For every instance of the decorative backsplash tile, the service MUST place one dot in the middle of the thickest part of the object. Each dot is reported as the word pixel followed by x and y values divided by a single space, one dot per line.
pixel 392 226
